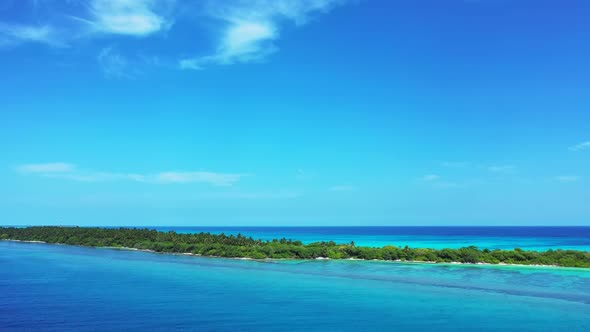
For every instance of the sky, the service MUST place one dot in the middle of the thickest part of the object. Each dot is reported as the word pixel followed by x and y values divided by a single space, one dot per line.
pixel 295 113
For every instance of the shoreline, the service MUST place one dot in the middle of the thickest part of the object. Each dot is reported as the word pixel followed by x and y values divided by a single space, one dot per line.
pixel 304 260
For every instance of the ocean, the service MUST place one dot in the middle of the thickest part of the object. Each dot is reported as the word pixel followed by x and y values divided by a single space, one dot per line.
pixel 47 287
pixel 528 238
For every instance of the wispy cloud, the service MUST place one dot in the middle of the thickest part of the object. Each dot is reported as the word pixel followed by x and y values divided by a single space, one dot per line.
pixel 567 178
pixel 250 28
pixel 71 172
pixel 446 185
pixel 341 188
pixel 218 179
pixel 113 64
pixel 581 146
pixel 14 34
pixel 129 17
pixel 502 169
pixel 88 18
pixel 430 178
pixel 244 30
pixel 436 181
pixel 46 168
pixel 454 164
pixel 280 194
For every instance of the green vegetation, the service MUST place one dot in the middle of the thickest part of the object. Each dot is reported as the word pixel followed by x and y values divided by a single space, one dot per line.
pixel 222 245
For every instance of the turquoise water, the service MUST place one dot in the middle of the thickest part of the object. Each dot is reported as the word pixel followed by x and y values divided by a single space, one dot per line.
pixel 56 287
pixel 529 238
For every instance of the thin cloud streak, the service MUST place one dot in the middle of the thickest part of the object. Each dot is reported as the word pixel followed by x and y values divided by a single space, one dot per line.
pixel 454 164
pixel 138 18
pixel 501 169
pixel 251 28
pixel 581 146
pixel 567 178
pixel 113 64
pixel 246 31
pixel 342 188
pixel 46 168
pixel 71 172
pixel 430 178
pixel 135 18
pixel 218 179
pixel 14 34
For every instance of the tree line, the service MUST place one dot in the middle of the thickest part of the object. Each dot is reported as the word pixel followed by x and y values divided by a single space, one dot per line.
pixel 240 246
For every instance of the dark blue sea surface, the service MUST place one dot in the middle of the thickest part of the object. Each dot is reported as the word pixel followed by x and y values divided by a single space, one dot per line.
pixel 47 287
pixel 529 238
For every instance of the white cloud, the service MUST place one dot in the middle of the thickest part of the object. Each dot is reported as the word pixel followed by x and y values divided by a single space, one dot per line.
pixel 218 179
pixel 501 168
pixel 87 176
pixel 71 172
pixel 251 27
pixel 454 164
pixel 436 181
pixel 113 64
pixel 246 30
pixel 567 178
pixel 128 17
pixel 46 168
pixel 446 184
pixel 342 188
pixel 244 42
pixel 581 146
pixel 281 194
pixel 88 18
pixel 430 177
pixel 13 34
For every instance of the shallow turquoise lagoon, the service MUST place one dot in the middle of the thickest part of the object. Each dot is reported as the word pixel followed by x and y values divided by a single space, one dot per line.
pixel 56 287
pixel 437 237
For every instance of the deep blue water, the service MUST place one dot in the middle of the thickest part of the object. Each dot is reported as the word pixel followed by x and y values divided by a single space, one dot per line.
pixel 56 287
pixel 530 238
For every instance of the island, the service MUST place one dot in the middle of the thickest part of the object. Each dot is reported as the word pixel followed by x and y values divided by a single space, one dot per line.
pixel 240 246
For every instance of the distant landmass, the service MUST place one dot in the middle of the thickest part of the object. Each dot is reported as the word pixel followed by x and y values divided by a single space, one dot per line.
pixel 240 246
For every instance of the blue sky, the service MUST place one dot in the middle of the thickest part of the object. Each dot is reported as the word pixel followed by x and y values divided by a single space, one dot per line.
pixel 315 112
